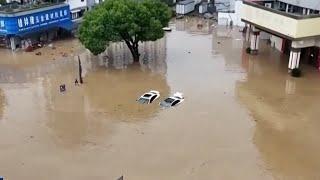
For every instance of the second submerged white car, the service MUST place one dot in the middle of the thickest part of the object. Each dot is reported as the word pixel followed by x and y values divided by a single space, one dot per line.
pixel 174 100
pixel 149 97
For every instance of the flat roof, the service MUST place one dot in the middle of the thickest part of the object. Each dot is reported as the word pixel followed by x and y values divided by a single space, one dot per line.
pixel 14 8
pixel 258 4
pixel 185 2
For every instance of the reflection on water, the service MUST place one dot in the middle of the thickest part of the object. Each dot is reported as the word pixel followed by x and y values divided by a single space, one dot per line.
pixel 98 131
pixel 194 25
pixel 109 92
pixel 152 56
pixel 2 103
pixel 286 113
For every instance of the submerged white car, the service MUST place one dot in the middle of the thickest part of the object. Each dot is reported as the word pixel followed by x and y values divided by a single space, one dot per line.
pixel 149 97
pixel 174 100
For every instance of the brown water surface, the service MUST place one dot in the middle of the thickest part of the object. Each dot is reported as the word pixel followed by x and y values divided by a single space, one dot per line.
pixel 243 116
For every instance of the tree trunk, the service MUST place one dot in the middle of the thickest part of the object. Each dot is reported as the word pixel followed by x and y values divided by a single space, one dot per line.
pixel 134 49
pixel 135 55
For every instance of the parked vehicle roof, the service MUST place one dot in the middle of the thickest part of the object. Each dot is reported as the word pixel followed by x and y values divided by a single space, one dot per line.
pixel 185 2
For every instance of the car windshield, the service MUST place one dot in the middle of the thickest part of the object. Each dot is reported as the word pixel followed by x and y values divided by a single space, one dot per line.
pixel 169 100
pixel 143 101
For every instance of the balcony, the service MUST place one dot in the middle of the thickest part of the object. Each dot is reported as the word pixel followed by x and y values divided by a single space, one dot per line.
pixel 287 25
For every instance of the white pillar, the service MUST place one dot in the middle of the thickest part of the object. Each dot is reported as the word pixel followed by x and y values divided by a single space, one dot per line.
pixel 290 86
pixel 308 11
pixel 12 43
pixel 254 40
pixel 294 58
pixel 248 29
pixel 304 11
pixel 287 8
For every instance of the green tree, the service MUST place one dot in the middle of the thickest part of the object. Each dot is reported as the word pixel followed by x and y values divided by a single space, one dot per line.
pixel 2 2
pixel 131 21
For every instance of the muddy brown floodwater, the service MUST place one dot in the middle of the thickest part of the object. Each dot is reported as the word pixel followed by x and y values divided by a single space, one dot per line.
pixel 244 117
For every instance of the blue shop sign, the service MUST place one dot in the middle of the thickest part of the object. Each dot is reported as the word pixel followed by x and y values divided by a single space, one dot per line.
pixel 33 21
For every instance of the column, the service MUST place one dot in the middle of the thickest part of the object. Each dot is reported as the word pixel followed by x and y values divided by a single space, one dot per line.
pixel 304 11
pixel 254 40
pixel 308 11
pixel 12 43
pixel 248 29
pixel 287 7
pixel 294 59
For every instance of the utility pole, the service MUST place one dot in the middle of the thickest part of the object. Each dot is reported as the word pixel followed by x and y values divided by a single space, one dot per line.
pixel 80 71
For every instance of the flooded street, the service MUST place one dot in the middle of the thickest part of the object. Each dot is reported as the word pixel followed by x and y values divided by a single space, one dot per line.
pixel 243 116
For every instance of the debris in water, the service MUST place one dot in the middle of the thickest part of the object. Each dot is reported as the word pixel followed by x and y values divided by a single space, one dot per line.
pixel 29 49
pixel 167 29
pixel 208 16
pixel 62 88
pixel 76 83
pixel 120 178
pixel 38 53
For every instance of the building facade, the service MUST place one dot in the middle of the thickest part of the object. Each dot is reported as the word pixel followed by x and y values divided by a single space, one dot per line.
pixel 22 28
pixel 293 26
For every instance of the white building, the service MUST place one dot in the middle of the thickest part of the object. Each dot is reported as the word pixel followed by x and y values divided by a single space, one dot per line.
pixel 293 25
pixel 78 7
pixel 231 14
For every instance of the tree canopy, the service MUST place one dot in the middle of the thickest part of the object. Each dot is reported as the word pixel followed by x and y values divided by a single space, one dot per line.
pixel 131 21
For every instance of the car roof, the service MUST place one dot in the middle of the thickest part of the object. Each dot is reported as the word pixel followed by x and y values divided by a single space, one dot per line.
pixel 154 92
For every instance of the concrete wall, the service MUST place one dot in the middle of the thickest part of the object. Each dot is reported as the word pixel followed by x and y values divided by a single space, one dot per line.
pixel 311 4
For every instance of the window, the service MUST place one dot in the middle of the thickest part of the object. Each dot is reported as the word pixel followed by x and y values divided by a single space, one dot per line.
pixel 169 100
pixel 153 98
pixel 74 15
pixel 176 102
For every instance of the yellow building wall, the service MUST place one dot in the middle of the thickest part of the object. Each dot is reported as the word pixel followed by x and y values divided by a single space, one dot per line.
pixel 308 27
pixel 285 25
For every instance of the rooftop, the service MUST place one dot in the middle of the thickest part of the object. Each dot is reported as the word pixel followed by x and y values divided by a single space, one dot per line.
pixel 16 7
pixel 186 2
pixel 277 7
